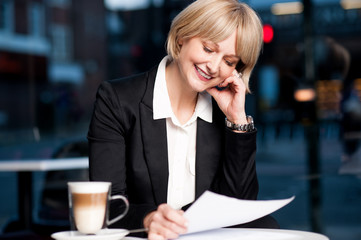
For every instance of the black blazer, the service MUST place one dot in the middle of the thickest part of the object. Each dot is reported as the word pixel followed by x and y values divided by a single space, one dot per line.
pixel 129 149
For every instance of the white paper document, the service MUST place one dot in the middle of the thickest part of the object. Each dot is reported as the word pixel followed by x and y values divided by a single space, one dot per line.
pixel 212 211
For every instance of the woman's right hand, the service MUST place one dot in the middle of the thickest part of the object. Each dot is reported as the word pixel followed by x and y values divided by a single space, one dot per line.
pixel 165 223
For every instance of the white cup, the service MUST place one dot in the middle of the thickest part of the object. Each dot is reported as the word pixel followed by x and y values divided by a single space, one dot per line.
pixel 89 204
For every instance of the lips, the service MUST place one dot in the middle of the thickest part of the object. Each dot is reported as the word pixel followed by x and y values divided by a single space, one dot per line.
pixel 202 74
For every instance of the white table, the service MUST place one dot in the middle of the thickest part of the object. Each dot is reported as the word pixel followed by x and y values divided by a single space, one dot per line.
pixel 25 168
pixel 250 234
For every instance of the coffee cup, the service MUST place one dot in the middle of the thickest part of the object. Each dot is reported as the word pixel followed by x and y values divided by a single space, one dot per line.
pixel 89 204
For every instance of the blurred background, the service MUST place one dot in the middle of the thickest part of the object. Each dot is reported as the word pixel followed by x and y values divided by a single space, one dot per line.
pixel 306 91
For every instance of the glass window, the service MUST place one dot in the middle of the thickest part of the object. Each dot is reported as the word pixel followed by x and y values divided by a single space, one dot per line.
pixel 54 54
pixel 36 19
pixel 61 38
pixel 2 15
pixel 6 15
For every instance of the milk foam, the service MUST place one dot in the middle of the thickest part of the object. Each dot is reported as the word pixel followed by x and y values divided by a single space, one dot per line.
pixel 89 187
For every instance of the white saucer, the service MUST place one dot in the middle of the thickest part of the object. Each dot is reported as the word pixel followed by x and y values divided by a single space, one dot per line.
pixel 105 234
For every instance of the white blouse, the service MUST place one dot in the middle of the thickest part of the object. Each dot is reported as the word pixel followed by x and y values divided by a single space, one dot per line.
pixel 181 140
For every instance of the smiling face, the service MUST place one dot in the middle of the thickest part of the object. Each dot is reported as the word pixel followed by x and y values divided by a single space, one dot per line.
pixel 203 64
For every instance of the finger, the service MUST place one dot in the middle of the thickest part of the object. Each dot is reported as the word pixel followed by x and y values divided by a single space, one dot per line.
pixel 237 74
pixel 161 227
pixel 155 236
pixel 162 234
pixel 160 221
pixel 181 212
pixel 236 82
pixel 176 228
pixel 169 222
pixel 232 80
pixel 173 215
pixel 213 92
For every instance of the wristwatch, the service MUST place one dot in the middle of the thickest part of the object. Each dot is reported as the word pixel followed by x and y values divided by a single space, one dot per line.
pixel 248 127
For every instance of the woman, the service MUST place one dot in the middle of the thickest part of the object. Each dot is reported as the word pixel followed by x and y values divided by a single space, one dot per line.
pixel 161 137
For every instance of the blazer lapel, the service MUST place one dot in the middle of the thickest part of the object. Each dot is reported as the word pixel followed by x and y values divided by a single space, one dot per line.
pixel 154 134
pixel 208 153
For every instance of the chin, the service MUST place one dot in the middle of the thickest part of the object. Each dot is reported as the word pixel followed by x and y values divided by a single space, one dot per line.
pixel 199 88
pixel 198 85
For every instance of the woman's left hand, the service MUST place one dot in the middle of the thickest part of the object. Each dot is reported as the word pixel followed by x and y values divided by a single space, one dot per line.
pixel 231 100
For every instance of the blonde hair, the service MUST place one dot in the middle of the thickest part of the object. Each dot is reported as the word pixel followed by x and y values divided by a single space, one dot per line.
pixel 215 20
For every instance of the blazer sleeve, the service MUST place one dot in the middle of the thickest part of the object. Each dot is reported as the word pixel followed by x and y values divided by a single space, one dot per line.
pixel 107 154
pixel 239 177
pixel 236 175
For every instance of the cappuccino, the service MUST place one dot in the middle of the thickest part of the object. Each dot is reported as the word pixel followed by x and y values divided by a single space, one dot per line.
pixel 88 202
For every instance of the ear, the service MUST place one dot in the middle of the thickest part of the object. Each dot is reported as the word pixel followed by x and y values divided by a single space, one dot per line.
pixel 180 42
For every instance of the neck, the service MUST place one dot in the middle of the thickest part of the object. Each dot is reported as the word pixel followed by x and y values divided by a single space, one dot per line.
pixel 183 99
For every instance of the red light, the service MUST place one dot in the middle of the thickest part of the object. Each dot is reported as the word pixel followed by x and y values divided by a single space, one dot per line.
pixel 267 33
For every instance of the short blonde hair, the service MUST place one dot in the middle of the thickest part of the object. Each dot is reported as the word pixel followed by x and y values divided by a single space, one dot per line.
pixel 216 20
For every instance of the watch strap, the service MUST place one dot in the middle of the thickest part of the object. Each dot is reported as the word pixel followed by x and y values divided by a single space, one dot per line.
pixel 248 127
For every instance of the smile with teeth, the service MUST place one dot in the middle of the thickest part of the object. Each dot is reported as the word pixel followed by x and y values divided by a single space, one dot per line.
pixel 203 74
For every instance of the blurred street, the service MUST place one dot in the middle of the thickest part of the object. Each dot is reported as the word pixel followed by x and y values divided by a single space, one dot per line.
pixel 282 170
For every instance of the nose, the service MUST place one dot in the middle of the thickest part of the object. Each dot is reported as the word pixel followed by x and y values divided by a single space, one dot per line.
pixel 214 63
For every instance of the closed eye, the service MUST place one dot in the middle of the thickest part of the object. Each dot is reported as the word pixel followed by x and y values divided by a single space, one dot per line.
pixel 230 63
pixel 207 50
